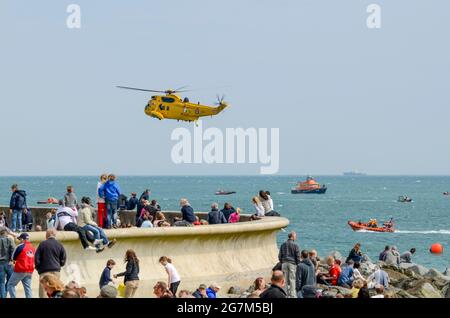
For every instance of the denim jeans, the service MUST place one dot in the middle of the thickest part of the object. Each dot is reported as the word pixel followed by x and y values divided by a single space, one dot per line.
pixel 6 271
pixel 16 220
pixel 15 278
pixel 97 232
pixel 111 207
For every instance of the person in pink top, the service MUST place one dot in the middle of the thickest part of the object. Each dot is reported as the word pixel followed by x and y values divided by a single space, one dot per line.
pixel 234 217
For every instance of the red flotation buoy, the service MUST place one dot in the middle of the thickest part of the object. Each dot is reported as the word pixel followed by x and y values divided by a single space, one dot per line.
pixel 436 248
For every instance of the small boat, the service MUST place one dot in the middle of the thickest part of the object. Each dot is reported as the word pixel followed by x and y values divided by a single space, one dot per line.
pixel 372 226
pixel 221 192
pixel 49 201
pixel 404 198
pixel 446 193
pixel 309 186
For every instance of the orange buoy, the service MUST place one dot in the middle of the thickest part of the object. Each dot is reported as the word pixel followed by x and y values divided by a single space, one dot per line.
pixel 436 248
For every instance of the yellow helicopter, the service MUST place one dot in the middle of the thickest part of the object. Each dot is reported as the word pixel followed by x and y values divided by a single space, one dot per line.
pixel 171 106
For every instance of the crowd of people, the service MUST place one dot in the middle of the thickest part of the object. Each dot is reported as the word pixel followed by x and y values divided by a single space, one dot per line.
pixel 297 275
pixel 18 263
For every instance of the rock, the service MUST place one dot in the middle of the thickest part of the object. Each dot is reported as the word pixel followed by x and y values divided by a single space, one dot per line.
pixel 367 268
pixel 434 274
pixel 396 278
pixel 446 291
pixel 366 259
pixel 406 265
pixel 403 294
pixel 234 290
pixel 424 289
pixel 419 269
pixel 342 290
pixel 338 256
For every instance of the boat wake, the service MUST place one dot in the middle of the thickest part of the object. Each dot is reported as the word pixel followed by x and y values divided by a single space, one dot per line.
pixel 443 232
pixel 446 232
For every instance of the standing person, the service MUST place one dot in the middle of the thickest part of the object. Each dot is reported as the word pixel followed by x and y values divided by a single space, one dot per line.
pixel 355 254
pixel 235 216
pixel 110 191
pixel 132 202
pixel 50 257
pixel 383 254
pixel 215 216
pixel 17 205
pixel 407 256
pixel 66 220
pixel 70 199
pixel 6 256
pixel 289 257
pixel 145 196
pixel 23 268
pixel 85 221
pixel 105 278
pixel 131 274
pixel 305 274
pixel 276 289
pixel 174 279
pixel 101 206
pixel 187 213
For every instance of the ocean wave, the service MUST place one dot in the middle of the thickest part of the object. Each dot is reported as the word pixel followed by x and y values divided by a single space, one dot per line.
pixel 447 232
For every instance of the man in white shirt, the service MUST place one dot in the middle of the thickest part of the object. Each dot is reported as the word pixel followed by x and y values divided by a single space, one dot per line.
pixel 66 219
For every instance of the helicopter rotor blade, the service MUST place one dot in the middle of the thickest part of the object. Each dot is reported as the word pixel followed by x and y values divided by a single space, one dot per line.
pixel 140 89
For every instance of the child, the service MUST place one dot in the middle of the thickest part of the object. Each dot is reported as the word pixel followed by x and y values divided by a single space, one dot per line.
pixel 234 217
pixel 174 278
pixel 27 220
pixel 105 279
pixel 50 220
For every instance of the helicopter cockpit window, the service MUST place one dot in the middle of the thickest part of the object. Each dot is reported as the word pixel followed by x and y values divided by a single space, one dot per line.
pixel 186 100
pixel 161 107
pixel 168 99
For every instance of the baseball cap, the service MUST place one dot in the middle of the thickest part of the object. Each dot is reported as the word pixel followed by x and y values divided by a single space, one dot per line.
pixel 24 236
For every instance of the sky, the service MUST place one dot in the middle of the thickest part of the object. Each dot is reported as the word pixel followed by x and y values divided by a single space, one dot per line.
pixel 344 97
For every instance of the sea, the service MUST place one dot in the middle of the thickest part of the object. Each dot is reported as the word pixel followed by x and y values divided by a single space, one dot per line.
pixel 320 220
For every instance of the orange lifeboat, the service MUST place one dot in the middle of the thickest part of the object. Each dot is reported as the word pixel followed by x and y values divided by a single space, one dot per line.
pixel 309 186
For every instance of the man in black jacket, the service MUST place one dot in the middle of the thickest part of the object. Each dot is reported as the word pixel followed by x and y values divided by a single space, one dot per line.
pixel 289 257
pixel 17 205
pixel 306 274
pixel 49 258
pixel 276 290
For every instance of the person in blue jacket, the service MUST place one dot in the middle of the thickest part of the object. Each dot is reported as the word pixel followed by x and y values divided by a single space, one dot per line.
pixel 110 191
pixel 17 206
pixel 346 277
pixel 212 291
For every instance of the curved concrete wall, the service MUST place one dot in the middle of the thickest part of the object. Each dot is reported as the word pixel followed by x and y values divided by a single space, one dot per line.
pixel 228 254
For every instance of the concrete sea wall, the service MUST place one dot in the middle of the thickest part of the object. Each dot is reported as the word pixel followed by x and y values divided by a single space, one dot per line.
pixel 228 254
